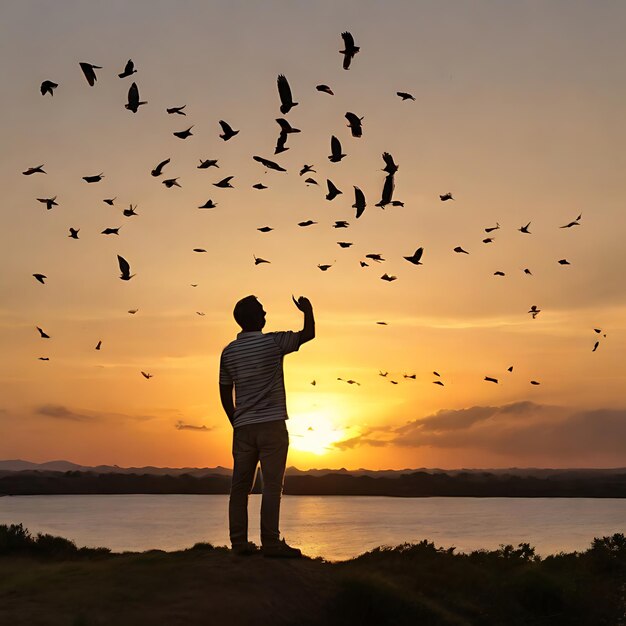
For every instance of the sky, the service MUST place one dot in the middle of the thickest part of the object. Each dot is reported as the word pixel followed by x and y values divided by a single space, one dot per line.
pixel 518 113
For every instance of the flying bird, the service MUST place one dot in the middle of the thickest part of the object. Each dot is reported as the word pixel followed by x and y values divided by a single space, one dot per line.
pixel 209 204
pixel 446 196
pixel 176 110
pixel 207 163
pixel 284 91
pixel 260 186
pixel 34 170
pixel 269 164
pixel 133 99
pixel 341 224
pixel 307 168
pixel 349 49
pixel 396 203
pixel 375 257
pixel 383 374
pixel 488 240
pixel 382 323
pixel 110 201
pixel 415 259
pixel 258 260
pixel 183 134
pixel 492 228
pixel 130 211
pixel 88 71
pixel 227 131
pixel 333 192
pixel 354 124
pixel 509 369
pixel 325 89
pixel 324 267
pixel 133 311
pixel 363 264
pixel 460 250
pixel 73 233
pixel 411 376
pixel 42 333
pixel 388 278
pixel 575 222
pixel 224 183
pixel 98 345
pixel 498 273
pixel 93 179
pixel 265 229
pixel 359 202
pixel 44 358
pixel 344 244
pixel 146 374
pixel 489 379
pixel 335 150
pixel 307 223
pixel 199 250
pixel 171 182
pixel 534 311
pixel 124 269
pixel 564 262
pixel 111 231
pixel 524 229
pixel 49 202
pixel 48 87
pixel 41 278
pixel 438 382
pixel 281 143
pixel 158 170
pixel 387 194
pixel 312 181
pixel 534 382
pixel 390 166
pixel 129 69
pixel 404 95
pixel 286 127
pixel 527 271
pixel 595 346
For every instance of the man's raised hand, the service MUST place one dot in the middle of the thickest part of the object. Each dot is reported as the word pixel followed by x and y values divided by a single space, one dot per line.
pixel 303 304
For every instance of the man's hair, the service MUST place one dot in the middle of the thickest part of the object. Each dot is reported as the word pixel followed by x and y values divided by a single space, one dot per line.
pixel 246 310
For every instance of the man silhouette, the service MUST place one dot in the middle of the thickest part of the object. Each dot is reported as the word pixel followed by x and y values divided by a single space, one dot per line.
pixel 253 365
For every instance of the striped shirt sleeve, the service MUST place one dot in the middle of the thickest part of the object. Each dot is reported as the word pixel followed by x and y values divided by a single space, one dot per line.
pixel 225 376
pixel 287 341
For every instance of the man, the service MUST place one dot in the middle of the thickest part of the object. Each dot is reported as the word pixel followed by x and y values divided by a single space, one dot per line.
pixel 253 365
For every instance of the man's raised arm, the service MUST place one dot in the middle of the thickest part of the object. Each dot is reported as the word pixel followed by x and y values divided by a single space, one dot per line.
pixel 308 330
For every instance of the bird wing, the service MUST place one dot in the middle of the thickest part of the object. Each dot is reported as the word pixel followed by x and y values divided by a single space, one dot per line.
pixel 335 146
pixel 226 127
pixel 124 265
pixel 284 91
pixel 388 159
pixel 133 96
pixel 388 188
pixel 348 40
pixel 130 66
pixel 90 75
pixel 331 187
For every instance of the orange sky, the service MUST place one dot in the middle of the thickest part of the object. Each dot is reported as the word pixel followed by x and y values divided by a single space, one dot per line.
pixel 518 113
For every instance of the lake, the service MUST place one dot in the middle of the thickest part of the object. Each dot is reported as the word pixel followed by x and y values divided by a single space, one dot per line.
pixel 335 527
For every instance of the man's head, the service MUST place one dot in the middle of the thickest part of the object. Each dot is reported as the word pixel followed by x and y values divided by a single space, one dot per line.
pixel 249 314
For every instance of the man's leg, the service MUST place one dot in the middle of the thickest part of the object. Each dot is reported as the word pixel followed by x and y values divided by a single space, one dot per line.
pixel 245 457
pixel 273 442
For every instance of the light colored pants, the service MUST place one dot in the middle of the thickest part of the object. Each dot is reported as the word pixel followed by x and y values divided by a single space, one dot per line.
pixel 268 443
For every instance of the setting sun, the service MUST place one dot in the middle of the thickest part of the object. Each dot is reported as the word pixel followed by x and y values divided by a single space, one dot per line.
pixel 314 432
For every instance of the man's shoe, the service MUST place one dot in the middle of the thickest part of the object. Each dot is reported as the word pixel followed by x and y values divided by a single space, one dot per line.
pixel 281 550
pixel 245 549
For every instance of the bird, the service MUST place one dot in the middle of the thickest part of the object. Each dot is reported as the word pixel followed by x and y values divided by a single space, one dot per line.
pixel 307 168
pixel 359 202
pixel 595 346
pixel 575 222
pixel 383 374
pixel 404 95
pixel 390 166
pixel 564 262
pixel 509 369
pixel 199 250
pixel 265 229
pixel 488 240
pixel 133 311
pixel 438 382
pixel 527 271
pixel 382 323
pixel 176 110
pixel 363 264
pixel 534 382
pixel 209 204
pixel 350 381
pixel 171 182
pixel 110 201
pixel 158 170
pixel 133 99
pixel 492 228
pixel 286 127
pixel 344 244
pixel 130 211
pixel 183 134
pixel 335 150
pixel 42 333
pixel 411 376
pixel 200 313
pixel 281 143
pixel 259 260
pixel 325 89
pixel 124 268
pixel 73 233
pixel 284 91
pixel 498 273
pixel 436 373
pixel 34 170
pixel 43 358
pixel 524 229
pixel 227 131
pixel 415 259
pixel 41 278
pixel 460 250
pixel 354 124
pixel 446 196
pixel 534 311
pixel 489 379
pixel 312 181
pixel 396 203
pixel 387 194
pixel 388 278
pixel 49 202
pixel 349 49
pixel 375 257
pixel 96 178
pixel 129 69
pixel 307 223
pixel 88 71
pixel 269 164
pixel 333 192
pixel 260 186
pixel 341 224
pixel 98 345
pixel 224 183
pixel 111 231
pixel 48 87
pixel 313 383
pixel 146 374
pixel 207 163
pixel 324 267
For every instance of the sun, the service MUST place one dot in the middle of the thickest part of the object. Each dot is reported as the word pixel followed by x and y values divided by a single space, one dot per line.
pixel 314 432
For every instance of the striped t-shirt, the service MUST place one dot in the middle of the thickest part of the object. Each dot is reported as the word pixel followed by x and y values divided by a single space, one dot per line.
pixel 254 364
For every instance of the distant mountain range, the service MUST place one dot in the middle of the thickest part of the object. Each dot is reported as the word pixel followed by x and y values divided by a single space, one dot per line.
pixel 18 465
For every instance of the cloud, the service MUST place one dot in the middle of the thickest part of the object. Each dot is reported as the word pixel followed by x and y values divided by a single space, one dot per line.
pixel 59 411
pixel 182 426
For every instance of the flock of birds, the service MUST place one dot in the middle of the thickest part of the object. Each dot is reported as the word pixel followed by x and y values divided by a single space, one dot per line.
pixel 287 103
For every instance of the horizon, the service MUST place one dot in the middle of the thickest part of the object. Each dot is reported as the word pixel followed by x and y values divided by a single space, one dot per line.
pixel 401 373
